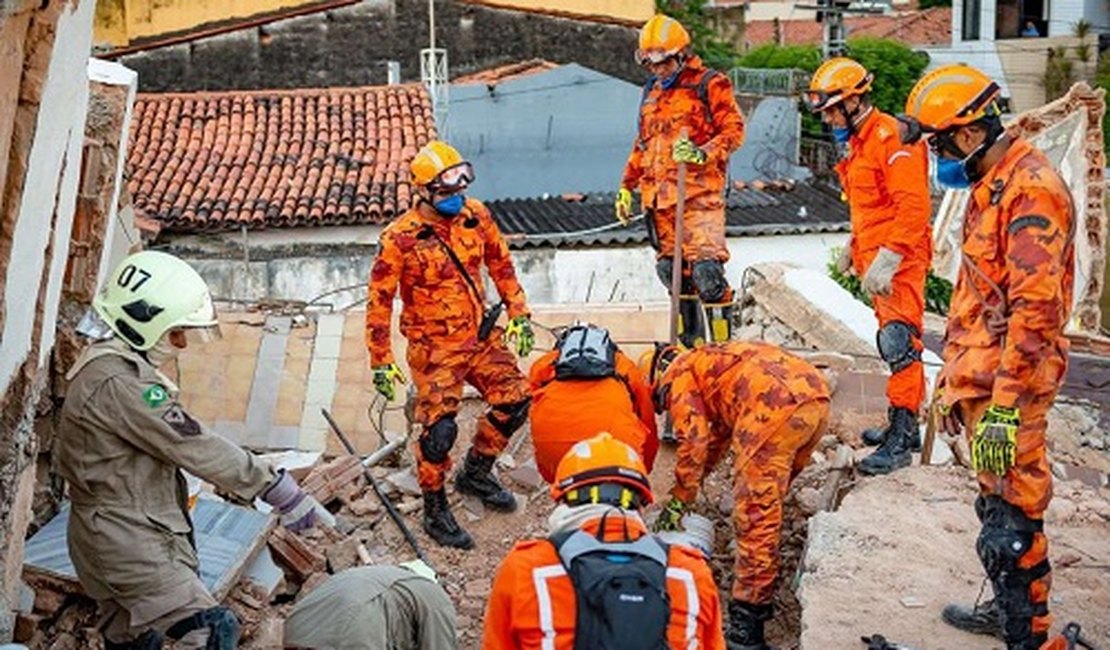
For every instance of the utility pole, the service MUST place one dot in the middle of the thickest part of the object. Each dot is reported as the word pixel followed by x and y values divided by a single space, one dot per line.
pixel 433 73
pixel 830 13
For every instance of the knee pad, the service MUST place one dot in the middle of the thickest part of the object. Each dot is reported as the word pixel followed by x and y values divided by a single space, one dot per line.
pixel 507 418
pixel 709 278
pixel 437 440
pixel 895 341
pixel 222 626
pixel 1007 535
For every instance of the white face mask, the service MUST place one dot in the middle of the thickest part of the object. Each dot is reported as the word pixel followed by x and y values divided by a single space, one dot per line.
pixel 162 351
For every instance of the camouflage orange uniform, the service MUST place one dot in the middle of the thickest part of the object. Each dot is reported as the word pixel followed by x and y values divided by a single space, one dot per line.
pixel 440 320
pixel 1005 342
pixel 887 188
pixel 771 408
pixel 714 123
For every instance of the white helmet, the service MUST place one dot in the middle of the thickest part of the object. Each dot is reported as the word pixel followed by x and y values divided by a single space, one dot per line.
pixel 151 293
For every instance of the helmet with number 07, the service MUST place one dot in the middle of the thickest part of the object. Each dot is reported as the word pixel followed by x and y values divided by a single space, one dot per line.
pixel 151 293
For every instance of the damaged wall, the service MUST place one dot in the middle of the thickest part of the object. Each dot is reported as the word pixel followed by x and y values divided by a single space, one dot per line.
pixel 43 91
pixel 349 46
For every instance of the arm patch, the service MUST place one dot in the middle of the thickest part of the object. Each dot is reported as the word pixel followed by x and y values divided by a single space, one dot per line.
pixel 1026 221
pixel 181 422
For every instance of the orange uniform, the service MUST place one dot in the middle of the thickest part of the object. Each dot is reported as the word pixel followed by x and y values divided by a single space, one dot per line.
pixel 771 409
pixel 566 411
pixel 713 122
pixel 440 320
pixel 532 604
pixel 887 187
pixel 1005 342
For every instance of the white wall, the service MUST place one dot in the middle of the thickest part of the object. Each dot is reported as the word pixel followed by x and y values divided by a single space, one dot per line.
pixel 50 186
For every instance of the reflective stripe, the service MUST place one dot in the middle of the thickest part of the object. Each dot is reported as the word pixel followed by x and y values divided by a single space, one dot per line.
pixel 693 605
pixel 924 92
pixel 540 576
pixel 436 160
pixel 895 156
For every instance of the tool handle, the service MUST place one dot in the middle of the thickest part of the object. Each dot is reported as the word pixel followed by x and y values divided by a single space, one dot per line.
pixel 389 507
pixel 679 235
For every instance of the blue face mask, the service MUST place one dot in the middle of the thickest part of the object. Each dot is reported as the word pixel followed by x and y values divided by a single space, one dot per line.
pixel 951 172
pixel 668 82
pixel 451 205
pixel 841 134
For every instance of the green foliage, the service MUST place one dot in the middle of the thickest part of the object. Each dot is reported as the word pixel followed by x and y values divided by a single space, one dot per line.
pixel 1102 80
pixel 707 44
pixel 771 56
pixel 896 68
pixel 929 4
pixel 938 291
pixel 1082 28
pixel 1058 73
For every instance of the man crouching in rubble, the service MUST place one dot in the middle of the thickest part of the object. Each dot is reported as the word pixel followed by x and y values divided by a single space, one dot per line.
pixel 123 440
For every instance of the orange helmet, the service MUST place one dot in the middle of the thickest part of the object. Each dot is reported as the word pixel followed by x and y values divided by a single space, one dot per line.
pixel 660 38
pixel 952 95
pixel 598 462
pixel 439 166
pixel 654 364
pixel 836 80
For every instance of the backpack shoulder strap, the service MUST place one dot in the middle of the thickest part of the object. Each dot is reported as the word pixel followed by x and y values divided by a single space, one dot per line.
pixel 571 546
pixel 703 92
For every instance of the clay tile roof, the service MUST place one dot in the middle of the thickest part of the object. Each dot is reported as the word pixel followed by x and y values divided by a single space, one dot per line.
pixel 494 76
pixel 914 28
pixel 209 161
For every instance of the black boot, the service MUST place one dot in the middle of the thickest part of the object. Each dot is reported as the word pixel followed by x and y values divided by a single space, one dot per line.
pixel 983 618
pixel 440 524
pixel 873 436
pixel 895 452
pixel 476 478
pixel 745 625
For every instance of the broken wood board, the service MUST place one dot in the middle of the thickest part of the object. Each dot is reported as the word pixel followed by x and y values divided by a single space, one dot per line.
pixel 1069 132
pixel 228 538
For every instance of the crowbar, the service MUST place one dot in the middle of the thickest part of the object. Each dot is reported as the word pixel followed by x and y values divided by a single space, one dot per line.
pixel 389 507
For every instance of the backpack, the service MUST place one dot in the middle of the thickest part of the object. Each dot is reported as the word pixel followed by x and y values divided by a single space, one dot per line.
pixel 621 589
pixel 586 351
pixel 701 89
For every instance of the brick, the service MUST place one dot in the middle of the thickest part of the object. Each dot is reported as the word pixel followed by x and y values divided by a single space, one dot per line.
pixel 25 627
pixel 294 554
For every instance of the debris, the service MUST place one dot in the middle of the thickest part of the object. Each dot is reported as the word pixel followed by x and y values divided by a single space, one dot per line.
pixel 363 555
pixel 25 627
pixel 269 634
pixel 840 464
pixel 343 555
pixel 294 554
pixel 339 478
pixel 911 602
pixel 263 572
pixel 364 506
pixel 478 589
pixel 405 482
pixel 527 475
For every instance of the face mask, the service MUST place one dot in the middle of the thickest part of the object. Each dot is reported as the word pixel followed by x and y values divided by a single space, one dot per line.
pixel 951 173
pixel 451 205
pixel 841 134
pixel 670 80
pixel 162 351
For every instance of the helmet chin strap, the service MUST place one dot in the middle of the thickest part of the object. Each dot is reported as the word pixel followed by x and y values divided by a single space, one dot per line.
pixel 972 161
pixel 853 118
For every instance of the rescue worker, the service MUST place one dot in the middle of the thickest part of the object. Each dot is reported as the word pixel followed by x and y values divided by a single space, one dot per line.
pixel 771 409
pixel 683 96
pixel 886 184
pixel 537 600
pixel 375 608
pixel 584 386
pixel 1005 352
pixel 123 440
pixel 434 254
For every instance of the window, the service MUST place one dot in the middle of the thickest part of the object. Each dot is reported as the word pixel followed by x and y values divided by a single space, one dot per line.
pixel 970 19
pixel 1021 19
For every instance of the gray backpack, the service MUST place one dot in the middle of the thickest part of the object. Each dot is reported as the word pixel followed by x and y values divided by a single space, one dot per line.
pixel 586 352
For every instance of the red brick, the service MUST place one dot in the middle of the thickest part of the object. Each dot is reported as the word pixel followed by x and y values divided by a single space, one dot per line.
pixel 294 554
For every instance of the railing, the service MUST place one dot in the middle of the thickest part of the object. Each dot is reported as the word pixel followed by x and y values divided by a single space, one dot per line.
pixel 769 81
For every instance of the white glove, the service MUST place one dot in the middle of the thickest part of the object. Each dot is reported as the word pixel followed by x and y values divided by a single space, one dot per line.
pixel 879 278
pixel 421 569
pixel 844 262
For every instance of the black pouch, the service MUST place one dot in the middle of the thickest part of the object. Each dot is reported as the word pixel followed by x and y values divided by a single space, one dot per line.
pixel 653 234
pixel 489 319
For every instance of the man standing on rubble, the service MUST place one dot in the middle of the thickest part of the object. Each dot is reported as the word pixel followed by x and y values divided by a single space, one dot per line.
pixel 688 115
pixel 122 441
pixel 770 409
pixel 886 184
pixel 434 254
pixel 1005 352
pixel 601 580
pixel 584 386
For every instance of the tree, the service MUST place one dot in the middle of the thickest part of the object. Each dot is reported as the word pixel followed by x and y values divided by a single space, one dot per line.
pixel 929 4
pixel 707 44
pixel 896 68
pixel 801 57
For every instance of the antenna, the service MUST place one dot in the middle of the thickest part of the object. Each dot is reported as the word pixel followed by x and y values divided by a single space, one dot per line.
pixel 433 73
pixel 830 13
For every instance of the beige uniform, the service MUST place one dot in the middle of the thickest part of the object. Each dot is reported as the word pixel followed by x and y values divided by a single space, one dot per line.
pixel 121 442
pixel 373 608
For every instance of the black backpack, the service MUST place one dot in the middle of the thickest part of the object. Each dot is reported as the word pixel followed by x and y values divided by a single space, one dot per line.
pixel 621 588
pixel 586 351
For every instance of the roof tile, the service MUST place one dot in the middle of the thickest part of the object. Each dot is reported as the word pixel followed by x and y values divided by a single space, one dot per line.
pixel 210 161
pixel 916 28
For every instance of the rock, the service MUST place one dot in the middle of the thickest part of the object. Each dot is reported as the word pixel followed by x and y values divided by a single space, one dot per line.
pixel 473 505
pixel 527 476
pixel 405 482
pixel 365 506
pixel 809 500
pixel 478 589
pixel 911 602
pixel 726 504
pixel 505 461
pixel 343 555
pixel 942 453
pixel 1095 442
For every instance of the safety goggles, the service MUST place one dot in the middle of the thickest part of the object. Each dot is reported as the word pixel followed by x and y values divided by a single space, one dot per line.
pixel 645 58
pixel 199 335
pixel 453 179
pixel 819 100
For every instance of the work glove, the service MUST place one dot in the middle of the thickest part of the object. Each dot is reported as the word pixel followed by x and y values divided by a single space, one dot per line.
pixel 623 206
pixel 421 569
pixel 685 151
pixel 844 261
pixel 949 421
pixel 879 279
pixel 386 377
pixel 994 447
pixel 298 510
pixel 671 516
pixel 519 331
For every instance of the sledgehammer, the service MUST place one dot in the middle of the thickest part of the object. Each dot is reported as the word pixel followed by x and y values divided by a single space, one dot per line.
pixel 389 507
